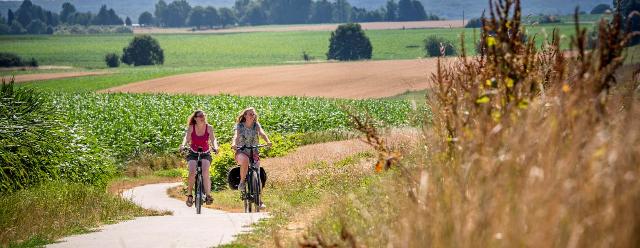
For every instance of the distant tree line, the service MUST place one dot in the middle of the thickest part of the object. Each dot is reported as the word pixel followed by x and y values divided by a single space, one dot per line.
pixel 33 19
pixel 261 12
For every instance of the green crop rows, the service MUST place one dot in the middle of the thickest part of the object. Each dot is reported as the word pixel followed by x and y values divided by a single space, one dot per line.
pixel 130 123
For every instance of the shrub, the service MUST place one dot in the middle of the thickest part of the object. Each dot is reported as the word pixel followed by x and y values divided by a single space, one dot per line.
pixel 306 56
pixel 10 60
pixel 120 30
pixel 349 42
pixel 548 19
pixel 432 45
pixel 112 60
pixel 17 28
pixel 145 19
pixel 224 161
pixel 220 165
pixel 33 62
pixel 79 29
pixel 37 27
pixel 4 29
pixel 474 23
pixel 143 50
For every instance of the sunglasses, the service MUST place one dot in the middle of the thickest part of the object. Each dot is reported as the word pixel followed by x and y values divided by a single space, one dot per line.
pixel 250 114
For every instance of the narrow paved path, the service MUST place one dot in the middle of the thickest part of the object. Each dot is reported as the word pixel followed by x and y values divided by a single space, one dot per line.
pixel 182 229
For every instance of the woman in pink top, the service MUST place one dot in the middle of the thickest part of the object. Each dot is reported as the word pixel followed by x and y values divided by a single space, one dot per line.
pixel 199 135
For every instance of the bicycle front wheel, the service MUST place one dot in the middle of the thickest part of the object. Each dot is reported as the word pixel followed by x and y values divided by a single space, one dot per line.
pixel 255 185
pixel 199 194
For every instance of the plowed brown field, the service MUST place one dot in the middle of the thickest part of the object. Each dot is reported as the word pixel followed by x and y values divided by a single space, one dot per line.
pixel 357 80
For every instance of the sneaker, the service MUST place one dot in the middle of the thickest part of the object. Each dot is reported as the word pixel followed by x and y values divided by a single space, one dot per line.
pixel 189 200
pixel 241 186
pixel 262 206
pixel 209 200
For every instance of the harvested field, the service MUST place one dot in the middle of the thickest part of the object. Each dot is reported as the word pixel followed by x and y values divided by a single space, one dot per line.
pixel 42 67
pixel 355 80
pixel 316 27
pixel 48 76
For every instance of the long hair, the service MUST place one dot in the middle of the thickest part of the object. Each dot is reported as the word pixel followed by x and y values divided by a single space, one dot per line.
pixel 241 119
pixel 192 118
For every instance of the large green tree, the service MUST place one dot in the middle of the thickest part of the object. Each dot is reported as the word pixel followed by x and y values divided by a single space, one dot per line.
pixel 145 19
pixel 321 12
pixel 143 50
pixel 349 42
pixel 160 12
pixel 226 17
pixel 341 11
pixel 391 13
pixel 197 17
pixel 254 15
pixel 211 17
pixel 176 13
pixel 67 12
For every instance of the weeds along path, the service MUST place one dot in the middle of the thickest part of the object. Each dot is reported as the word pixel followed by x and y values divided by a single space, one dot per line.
pixel 182 229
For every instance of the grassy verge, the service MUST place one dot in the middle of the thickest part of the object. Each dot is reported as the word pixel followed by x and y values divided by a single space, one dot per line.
pixel 42 214
pixel 293 201
pixel 118 185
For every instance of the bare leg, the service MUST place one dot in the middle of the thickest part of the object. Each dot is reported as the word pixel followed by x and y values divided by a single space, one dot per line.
pixel 243 161
pixel 205 174
pixel 192 176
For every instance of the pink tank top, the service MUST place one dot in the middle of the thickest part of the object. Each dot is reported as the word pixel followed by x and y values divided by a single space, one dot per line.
pixel 200 141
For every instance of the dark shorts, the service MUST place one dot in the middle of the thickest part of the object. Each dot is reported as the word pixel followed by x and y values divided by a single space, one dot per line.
pixel 194 156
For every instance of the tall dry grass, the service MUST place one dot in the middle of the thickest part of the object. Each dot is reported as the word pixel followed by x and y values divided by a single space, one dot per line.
pixel 528 147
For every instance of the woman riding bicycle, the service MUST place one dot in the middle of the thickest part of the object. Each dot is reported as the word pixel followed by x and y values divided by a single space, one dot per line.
pixel 246 132
pixel 199 134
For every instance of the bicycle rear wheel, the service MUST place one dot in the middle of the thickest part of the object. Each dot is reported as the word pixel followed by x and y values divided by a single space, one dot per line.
pixel 199 194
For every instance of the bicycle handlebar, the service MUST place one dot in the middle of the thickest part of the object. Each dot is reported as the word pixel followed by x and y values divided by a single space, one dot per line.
pixel 188 149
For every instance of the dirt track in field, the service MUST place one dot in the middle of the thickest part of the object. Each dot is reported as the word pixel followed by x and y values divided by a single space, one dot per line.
pixel 316 27
pixel 355 80
pixel 49 76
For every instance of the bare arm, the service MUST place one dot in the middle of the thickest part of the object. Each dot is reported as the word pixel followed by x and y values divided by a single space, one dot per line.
pixel 187 138
pixel 263 135
pixel 212 139
pixel 234 140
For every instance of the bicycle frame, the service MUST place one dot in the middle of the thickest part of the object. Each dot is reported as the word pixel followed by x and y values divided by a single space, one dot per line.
pixel 252 194
pixel 199 182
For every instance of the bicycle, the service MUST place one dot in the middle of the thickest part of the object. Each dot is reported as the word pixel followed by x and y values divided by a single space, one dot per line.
pixel 199 196
pixel 250 195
